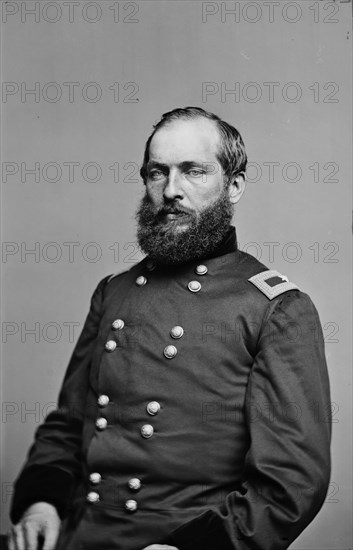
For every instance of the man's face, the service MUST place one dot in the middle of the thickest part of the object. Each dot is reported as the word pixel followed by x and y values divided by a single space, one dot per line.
pixel 184 175
pixel 187 208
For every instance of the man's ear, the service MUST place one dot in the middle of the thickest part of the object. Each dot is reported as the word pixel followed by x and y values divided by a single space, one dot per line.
pixel 236 187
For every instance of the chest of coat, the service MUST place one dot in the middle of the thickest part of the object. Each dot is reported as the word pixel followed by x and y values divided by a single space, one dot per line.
pixel 160 338
pixel 189 352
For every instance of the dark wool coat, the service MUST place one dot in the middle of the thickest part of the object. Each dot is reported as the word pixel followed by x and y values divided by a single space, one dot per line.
pixel 190 414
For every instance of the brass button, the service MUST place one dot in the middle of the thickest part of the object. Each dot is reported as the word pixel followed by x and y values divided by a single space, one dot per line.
pixel 103 400
pixel 95 478
pixel 153 408
pixel 177 332
pixel 147 431
pixel 194 286
pixel 134 484
pixel 201 269
pixel 141 280
pixel 101 423
pixel 118 324
pixel 131 505
pixel 110 345
pixel 170 351
pixel 92 497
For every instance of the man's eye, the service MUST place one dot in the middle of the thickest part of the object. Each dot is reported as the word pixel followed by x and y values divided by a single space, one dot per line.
pixel 155 174
pixel 195 173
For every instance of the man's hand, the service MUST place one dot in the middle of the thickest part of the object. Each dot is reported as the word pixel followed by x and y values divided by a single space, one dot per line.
pixel 160 547
pixel 39 519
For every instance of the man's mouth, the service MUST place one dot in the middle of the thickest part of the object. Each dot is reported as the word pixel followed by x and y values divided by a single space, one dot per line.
pixel 174 215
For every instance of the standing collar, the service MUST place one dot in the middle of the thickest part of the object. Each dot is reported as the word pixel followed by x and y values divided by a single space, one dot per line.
pixel 226 246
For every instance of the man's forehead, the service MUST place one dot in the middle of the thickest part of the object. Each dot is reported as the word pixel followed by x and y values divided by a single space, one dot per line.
pixel 195 139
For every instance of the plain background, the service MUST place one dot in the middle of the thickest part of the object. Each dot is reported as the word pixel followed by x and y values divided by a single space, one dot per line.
pixel 162 54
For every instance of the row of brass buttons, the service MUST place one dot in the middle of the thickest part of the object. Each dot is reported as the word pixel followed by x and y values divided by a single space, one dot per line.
pixel 118 324
pixel 170 351
pixel 147 430
pixel 95 478
pixel 134 484
pixel 193 286
pixel 130 504
pixel 153 407
pixel 177 331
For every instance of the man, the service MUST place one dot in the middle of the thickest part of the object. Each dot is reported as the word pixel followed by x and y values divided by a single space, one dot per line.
pixel 192 414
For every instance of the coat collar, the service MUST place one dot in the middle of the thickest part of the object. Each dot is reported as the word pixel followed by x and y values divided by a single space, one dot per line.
pixel 227 245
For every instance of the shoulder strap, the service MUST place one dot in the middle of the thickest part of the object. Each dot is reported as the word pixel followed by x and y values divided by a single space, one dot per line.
pixel 272 283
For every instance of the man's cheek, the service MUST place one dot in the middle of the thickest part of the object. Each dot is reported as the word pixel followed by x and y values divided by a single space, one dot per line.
pixel 154 193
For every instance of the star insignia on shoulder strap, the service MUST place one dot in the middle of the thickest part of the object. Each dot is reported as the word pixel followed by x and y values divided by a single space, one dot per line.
pixel 272 283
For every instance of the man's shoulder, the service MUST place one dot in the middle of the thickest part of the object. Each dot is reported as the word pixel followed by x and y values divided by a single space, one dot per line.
pixel 261 280
pixel 111 282
pixel 269 292
pixel 123 273
pixel 272 283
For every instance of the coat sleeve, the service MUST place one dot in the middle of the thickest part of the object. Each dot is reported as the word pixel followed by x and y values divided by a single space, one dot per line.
pixel 287 466
pixel 53 464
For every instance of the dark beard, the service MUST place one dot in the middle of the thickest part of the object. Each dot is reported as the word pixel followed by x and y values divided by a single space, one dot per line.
pixel 203 234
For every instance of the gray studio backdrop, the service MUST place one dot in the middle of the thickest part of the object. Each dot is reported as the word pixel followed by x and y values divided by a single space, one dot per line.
pixel 83 82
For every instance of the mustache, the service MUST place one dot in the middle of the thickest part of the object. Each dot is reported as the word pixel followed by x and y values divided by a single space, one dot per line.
pixel 155 215
pixel 173 209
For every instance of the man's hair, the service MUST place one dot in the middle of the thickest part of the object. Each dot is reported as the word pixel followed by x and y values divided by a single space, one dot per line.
pixel 231 155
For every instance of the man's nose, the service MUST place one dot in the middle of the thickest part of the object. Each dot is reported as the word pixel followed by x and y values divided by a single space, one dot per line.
pixel 173 189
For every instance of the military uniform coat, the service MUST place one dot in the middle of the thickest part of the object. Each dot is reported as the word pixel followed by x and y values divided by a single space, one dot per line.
pixel 194 412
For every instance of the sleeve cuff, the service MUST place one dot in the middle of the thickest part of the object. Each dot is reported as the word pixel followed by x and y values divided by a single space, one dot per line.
pixel 41 484
pixel 206 532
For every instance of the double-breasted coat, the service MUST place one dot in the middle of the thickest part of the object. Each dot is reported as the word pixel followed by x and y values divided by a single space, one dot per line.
pixel 194 411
